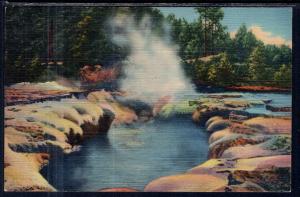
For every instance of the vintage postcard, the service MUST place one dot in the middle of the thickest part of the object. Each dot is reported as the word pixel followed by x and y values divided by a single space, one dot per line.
pixel 147 99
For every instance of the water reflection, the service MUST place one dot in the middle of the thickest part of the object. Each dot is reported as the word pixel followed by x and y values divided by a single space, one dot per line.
pixel 130 156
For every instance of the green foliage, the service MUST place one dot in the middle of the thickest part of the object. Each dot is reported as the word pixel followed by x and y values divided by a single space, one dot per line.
pixel 257 64
pixel 218 71
pixel 22 53
pixel 201 70
pixel 86 40
pixel 243 44
pixel 277 56
pixel 206 36
pixel 245 60
pixel 82 37
pixel 283 77
pixel 279 143
pixel 221 73
pixel 213 31
pixel 187 36
pixel 241 71
pixel 179 108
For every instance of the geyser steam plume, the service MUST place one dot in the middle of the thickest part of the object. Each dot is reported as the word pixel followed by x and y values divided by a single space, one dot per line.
pixel 153 68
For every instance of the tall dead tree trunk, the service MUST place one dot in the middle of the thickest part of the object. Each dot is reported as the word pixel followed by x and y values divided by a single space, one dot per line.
pixel 205 33
pixel 50 36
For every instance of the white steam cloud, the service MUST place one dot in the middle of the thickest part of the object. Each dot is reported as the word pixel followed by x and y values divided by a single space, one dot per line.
pixel 153 68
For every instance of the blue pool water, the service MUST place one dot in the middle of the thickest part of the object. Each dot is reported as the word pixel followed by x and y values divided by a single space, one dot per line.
pixel 132 156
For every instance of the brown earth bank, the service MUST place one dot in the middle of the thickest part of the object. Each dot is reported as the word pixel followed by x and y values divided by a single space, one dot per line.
pixel 27 93
pixel 258 89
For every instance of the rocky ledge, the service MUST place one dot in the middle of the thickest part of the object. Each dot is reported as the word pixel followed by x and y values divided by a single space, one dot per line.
pixel 247 152
pixel 33 132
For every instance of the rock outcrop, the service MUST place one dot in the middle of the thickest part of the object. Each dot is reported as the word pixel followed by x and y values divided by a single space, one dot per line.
pixel 187 183
pixel 122 114
pixel 21 171
pixel 270 125
pixel 225 107
pixel 247 152
pixel 118 189
pixel 278 108
pixel 33 132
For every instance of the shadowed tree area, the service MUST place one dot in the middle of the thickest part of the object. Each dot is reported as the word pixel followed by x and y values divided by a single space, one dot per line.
pixel 67 38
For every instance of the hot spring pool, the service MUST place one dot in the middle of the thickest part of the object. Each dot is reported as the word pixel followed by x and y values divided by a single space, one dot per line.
pixel 132 156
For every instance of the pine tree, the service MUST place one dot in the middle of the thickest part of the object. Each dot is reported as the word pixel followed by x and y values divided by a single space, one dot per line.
pixel 283 77
pixel 257 65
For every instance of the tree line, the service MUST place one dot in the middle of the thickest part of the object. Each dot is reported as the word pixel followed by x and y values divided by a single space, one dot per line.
pixel 238 60
pixel 81 36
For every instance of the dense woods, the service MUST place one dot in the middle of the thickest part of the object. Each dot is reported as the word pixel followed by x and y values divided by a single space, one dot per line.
pixel 81 35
